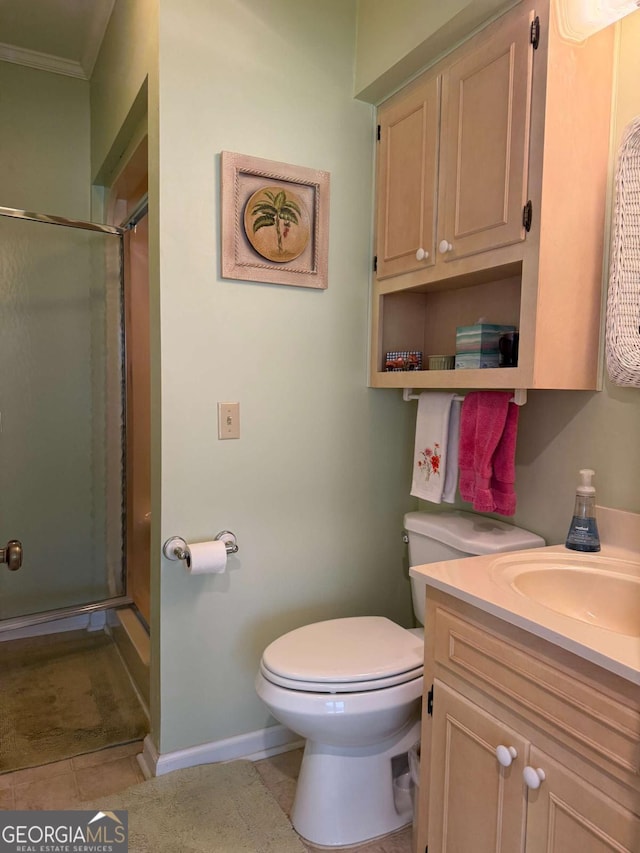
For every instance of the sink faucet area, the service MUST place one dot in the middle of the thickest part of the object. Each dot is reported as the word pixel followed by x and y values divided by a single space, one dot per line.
pixel 588 604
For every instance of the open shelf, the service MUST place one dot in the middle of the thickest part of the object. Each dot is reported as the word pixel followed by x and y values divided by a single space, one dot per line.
pixel 426 321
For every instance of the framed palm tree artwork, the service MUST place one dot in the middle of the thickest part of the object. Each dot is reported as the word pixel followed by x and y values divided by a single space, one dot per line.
pixel 275 222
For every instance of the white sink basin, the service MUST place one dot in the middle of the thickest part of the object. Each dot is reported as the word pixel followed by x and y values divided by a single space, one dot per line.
pixel 603 592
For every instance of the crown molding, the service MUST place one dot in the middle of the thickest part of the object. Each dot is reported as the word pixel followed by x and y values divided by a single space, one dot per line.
pixel 95 28
pixel 41 61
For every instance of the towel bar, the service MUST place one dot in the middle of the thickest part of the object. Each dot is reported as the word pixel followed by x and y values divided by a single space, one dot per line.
pixel 519 396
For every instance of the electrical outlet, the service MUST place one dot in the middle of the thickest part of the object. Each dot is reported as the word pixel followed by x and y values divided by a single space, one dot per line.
pixel 228 420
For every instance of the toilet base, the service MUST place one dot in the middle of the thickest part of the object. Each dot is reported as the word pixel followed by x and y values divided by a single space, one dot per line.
pixel 345 796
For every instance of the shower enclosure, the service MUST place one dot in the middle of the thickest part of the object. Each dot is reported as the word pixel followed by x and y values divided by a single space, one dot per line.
pixel 62 418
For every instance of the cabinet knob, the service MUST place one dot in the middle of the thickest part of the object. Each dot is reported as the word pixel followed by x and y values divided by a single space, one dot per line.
pixel 506 754
pixel 533 777
pixel 444 246
pixel 421 255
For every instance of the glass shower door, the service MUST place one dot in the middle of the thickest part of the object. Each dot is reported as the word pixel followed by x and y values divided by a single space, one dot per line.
pixel 61 415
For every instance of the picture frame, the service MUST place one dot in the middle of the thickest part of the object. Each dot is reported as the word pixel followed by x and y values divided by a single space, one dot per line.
pixel 275 222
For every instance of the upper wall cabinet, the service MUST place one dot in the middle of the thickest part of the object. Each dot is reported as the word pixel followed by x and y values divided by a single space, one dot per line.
pixel 479 183
pixel 491 195
pixel 407 178
pixel 484 153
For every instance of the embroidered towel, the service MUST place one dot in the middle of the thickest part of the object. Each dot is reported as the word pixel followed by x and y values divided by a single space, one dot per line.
pixel 483 428
pixel 432 437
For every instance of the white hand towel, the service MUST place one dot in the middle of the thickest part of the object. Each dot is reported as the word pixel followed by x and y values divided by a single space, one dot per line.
pixel 451 463
pixel 432 437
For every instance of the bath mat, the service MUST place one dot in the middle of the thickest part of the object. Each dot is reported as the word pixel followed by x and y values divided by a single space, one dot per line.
pixel 212 808
pixel 63 695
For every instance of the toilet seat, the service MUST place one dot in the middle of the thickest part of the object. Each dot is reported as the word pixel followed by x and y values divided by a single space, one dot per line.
pixel 340 686
pixel 355 654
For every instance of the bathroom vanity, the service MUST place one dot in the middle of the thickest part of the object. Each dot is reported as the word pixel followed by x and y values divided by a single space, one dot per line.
pixel 531 716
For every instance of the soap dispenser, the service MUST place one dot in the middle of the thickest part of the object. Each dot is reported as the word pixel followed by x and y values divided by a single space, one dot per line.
pixel 583 531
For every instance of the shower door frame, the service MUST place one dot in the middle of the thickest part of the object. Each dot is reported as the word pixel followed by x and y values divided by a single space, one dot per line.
pixel 19 622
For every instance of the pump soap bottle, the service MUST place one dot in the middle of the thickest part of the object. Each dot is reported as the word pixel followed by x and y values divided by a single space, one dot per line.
pixel 583 531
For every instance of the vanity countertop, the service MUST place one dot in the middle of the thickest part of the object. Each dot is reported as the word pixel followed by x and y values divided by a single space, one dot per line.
pixel 490 583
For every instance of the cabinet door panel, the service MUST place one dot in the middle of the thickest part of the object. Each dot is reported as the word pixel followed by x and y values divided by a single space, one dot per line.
pixel 474 803
pixel 407 162
pixel 485 144
pixel 567 815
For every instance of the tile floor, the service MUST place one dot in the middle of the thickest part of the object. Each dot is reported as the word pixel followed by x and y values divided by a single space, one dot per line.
pixel 65 784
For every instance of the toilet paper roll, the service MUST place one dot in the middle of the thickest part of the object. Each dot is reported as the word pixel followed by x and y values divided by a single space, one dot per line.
pixel 207 558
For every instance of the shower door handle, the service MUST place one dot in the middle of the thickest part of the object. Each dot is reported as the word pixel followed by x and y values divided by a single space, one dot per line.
pixel 12 555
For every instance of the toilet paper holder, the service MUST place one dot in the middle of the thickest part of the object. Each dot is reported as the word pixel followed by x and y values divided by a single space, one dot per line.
pixel 176 548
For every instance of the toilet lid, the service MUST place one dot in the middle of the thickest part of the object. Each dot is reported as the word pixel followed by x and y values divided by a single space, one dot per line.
pixel 357 653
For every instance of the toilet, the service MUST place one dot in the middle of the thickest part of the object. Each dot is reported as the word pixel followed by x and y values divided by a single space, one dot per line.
pixel 352 687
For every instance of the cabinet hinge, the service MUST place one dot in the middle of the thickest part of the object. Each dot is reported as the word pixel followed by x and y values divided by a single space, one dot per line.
pixel 375 263
pixel 527 215
pixel 534 35
pixel 430 702
pixel 379 132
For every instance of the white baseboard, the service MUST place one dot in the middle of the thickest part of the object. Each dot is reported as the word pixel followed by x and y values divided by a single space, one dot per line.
pixel 148 758
pixel 252 746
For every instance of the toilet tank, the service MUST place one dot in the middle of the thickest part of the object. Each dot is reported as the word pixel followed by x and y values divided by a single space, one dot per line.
pixel 437 536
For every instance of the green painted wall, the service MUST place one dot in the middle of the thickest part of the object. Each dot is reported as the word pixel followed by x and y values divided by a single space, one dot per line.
pixel 396 40
pixel 118 84
pixel 317 484
pixel 44 145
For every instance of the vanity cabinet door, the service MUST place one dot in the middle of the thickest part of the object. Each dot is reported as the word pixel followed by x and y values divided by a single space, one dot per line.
pixel 475 803
pixel 406 180
pixel 567 815
pixel 485 141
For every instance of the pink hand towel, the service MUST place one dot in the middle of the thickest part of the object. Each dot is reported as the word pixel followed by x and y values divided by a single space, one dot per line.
pixel 467 447
pixel 492 416
pixel 482 423
pixel 504 465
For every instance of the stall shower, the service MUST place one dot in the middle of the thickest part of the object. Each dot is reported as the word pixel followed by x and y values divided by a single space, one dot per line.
pixel 62 414
pixel 63 436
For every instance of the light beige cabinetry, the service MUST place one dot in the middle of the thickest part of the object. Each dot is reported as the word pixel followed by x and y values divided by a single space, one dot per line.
pixel 475 805
pixel 491 180
pixel 407 179
pixel 528 748
pixel 484 153
pixel 568 814
pixel 462 166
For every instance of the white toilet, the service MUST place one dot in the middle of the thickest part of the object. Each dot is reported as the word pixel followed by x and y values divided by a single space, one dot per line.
pixel 352 687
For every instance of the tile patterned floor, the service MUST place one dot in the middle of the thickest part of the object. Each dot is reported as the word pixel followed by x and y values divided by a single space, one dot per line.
pixel 65 784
